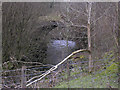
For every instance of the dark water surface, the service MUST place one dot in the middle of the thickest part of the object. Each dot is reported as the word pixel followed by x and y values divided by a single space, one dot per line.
pixel 58 50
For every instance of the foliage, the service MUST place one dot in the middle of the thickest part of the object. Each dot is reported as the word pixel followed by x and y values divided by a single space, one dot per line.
pixel 81 62
pixel 107 74
pixel 89 81
pixel 113 68
pixel 99 80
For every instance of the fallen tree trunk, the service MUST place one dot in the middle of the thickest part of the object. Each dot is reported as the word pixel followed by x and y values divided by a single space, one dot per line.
pixel 54 67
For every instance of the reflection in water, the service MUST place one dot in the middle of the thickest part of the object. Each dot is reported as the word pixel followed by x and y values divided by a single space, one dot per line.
pixel 58 50
pixel 62 43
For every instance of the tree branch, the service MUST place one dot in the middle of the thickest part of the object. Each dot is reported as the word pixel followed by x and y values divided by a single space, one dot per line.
pixel 55 67
pixel 102 15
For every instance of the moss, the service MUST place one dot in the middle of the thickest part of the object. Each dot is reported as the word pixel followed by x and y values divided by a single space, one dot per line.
pixel 99 80
pixel 113 68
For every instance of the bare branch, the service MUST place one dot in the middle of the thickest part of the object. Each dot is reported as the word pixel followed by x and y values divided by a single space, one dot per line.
pixel 54 67
pixel 102 15
pixel 80 12
pixel 22 62
pixel 73 25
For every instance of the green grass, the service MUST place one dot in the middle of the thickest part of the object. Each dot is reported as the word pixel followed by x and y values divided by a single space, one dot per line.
pixel 88 82
pixel 96 80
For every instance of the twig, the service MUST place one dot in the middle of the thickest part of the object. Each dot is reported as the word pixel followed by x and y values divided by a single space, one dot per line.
pixel 105 12
pixel 23 62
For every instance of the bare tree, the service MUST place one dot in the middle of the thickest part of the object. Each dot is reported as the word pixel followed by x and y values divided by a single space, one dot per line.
pixel 89 7
pixel 16 27
pixel 24 31
pixel 89 16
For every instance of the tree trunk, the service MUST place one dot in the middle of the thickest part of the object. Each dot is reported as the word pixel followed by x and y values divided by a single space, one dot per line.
pixel 89 48
pixel 89 7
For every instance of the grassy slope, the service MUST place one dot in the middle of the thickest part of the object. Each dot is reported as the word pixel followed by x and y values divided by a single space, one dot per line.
pixel 98 80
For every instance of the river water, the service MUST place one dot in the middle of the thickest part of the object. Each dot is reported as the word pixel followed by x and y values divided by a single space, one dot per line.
pixel 58 49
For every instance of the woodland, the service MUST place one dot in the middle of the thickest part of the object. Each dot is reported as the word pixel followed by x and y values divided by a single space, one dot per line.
pixel 60 45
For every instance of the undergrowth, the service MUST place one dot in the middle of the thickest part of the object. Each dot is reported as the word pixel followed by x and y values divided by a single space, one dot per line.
pixel 104 77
